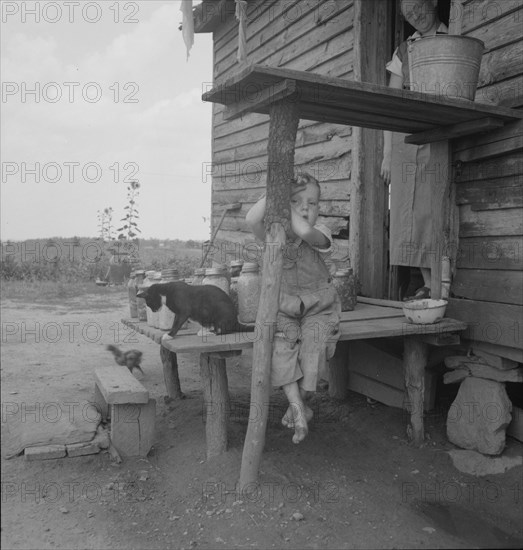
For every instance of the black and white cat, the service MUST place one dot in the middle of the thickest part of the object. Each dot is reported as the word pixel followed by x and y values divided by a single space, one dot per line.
pixel 206 304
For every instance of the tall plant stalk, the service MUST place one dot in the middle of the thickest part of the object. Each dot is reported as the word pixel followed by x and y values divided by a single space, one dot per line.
pixel 129 229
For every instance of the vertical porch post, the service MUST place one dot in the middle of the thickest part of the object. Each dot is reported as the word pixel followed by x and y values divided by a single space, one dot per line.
pixel 284 118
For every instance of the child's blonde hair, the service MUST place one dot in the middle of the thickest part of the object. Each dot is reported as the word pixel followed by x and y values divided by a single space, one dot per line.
pixel 301 180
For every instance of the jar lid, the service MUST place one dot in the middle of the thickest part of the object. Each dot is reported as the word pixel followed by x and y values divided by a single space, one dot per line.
pixel 237 263
pixel 249 267
pixel 140 273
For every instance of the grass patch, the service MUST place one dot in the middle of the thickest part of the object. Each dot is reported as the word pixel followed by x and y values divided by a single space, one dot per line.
pixel 53 292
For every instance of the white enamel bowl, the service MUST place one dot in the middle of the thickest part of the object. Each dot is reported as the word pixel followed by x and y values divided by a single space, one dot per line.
pixel 425 312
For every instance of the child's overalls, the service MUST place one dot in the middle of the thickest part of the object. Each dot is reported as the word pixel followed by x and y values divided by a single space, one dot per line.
pixel 308 319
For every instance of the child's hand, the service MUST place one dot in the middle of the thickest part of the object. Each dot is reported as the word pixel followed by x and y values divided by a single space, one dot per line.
pixel 299 224
pixel 300 227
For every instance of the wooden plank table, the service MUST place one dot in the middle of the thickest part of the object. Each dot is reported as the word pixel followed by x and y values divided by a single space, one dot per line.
pixel 368 320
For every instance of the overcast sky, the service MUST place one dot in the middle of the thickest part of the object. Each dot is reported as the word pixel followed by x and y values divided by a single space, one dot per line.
pixel 115 98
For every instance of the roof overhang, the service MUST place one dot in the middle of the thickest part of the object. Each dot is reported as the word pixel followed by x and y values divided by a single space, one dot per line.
pixel 210 14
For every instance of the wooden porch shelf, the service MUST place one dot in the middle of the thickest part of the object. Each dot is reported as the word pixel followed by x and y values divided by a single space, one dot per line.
pixel 327 99
pixel 366 321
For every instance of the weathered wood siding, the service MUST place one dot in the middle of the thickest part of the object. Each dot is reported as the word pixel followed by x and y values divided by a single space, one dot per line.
pixel 488 282
pixel 309 35
pixel 498 24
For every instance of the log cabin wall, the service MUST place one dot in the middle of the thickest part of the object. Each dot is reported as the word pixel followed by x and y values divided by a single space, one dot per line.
pixel 309 35
pixel 488 175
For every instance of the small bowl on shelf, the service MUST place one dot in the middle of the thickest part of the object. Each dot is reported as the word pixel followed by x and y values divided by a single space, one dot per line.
pixel 425 312
pixel 99 282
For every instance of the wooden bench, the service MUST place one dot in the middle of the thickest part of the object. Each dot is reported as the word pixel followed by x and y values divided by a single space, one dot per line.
pixel 120 396
pixel 370 319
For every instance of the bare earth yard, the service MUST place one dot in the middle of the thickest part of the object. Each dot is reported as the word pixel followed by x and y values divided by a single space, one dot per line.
pixel 355 482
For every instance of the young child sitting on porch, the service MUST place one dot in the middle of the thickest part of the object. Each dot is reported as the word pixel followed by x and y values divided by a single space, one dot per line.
pixel 307 326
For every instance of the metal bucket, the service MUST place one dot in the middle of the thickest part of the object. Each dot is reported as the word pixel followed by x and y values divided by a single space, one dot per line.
pixel 445 65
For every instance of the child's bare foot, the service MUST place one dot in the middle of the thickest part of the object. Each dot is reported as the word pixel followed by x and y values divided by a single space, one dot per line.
pixel 288 420
pixel 300 426
pixel 299 434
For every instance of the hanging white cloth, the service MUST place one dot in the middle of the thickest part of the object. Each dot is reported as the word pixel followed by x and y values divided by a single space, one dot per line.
pixel 187 24
pixel 241 16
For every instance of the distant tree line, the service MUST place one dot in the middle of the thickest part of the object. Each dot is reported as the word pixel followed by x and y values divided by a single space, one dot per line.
pixel 82 259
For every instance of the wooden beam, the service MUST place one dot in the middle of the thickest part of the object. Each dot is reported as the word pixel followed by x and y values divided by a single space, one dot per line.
pixel 437 176
pixel 216 396
pixel 368 240
pixel 210 14
pixel 338 371
pixel 364 322
pixel 257 99
pixel 490 322
pixel 284 118
pixel 414 361
pixel 170 374
pixel 455 130
pixel 328 98
pixel 443 339
pixel 380 302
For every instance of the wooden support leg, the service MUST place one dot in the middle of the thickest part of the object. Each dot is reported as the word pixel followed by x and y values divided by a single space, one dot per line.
pixel 284 118
pixel 170 374
pixel 216 397
pixel 414 362
pixel 339 371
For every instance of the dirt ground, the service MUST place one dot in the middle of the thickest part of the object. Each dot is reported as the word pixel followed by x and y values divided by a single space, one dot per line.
pixel 355 482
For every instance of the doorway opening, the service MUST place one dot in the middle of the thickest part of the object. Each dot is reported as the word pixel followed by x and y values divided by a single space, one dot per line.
pixel 404 280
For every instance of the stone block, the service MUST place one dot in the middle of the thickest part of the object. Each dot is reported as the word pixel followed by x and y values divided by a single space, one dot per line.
pixel 119 386
pixel 133 427
pixel 100 403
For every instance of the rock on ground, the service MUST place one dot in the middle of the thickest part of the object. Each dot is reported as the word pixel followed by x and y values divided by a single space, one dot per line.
pixel 476 464
pixel 479 416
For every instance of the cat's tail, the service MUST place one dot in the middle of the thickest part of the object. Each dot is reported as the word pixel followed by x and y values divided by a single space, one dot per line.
pixel 244 328
pixel 232 326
